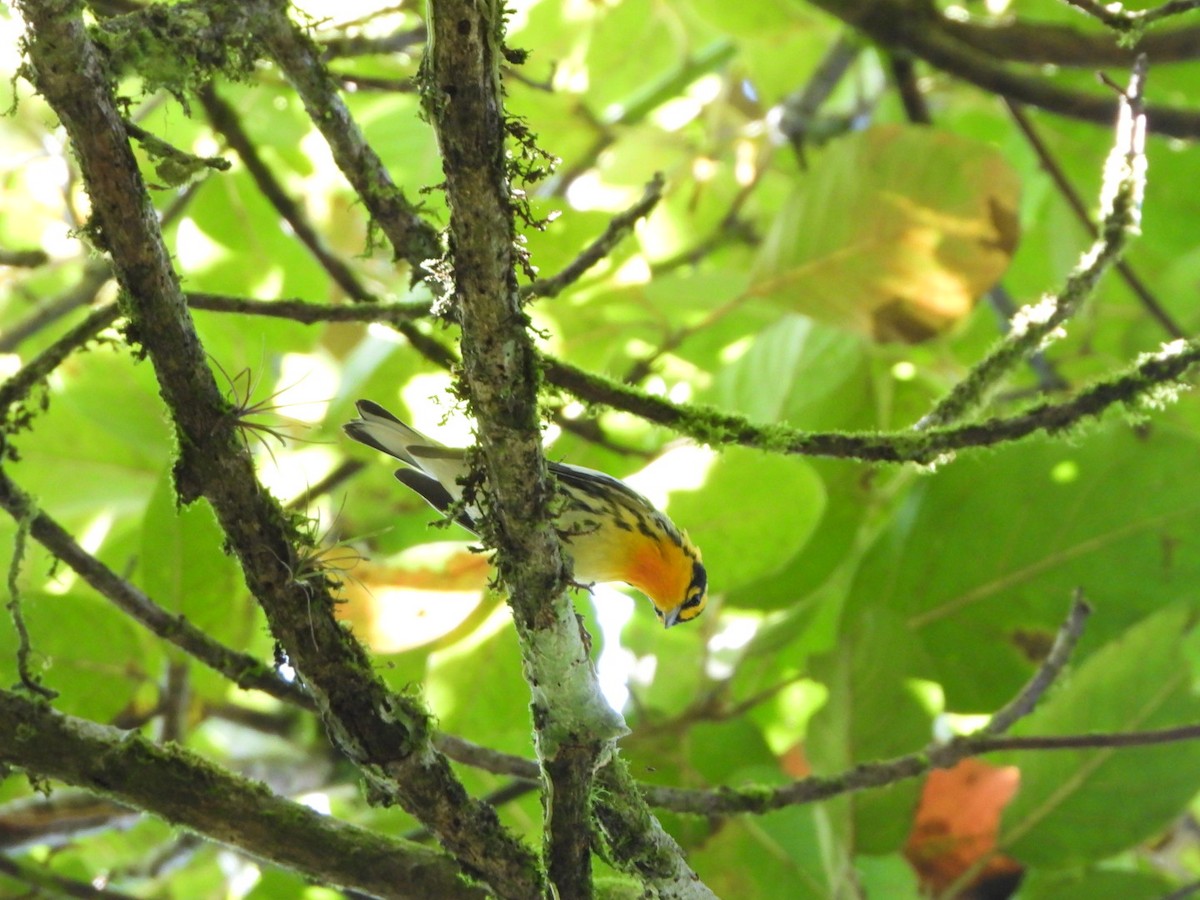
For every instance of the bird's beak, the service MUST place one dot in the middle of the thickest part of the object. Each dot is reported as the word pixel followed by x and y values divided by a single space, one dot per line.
pixel 671 617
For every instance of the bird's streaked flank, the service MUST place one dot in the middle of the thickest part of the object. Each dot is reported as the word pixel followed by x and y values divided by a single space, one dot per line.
pixel 611 532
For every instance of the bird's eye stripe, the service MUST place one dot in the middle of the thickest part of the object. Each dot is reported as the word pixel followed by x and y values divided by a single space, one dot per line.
pixel 693 601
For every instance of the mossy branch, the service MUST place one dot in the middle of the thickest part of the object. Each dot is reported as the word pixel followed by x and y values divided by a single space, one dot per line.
pixel 1141 384
pixel 386 735
pixel 574 727
pixel 412 238
pixel 1121 193
pixel 182 788
pixel 1153 379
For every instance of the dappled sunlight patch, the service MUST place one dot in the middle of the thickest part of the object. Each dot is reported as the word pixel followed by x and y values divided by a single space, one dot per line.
pixel 418 597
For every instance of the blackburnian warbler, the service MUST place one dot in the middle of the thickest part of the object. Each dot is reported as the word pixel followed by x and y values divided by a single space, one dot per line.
pixel 611 532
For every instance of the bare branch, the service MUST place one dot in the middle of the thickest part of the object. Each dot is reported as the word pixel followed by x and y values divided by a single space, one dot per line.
pixel 1017 40
pixel 894 24
pixel 618 227
pixel 1049 670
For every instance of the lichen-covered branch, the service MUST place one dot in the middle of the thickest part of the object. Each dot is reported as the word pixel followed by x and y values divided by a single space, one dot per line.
pixel 1050 165
pixel 574 726
pixel 633 839
pixel 1142 382
pixel 386 735
pixel 1034 326
pixel 182 788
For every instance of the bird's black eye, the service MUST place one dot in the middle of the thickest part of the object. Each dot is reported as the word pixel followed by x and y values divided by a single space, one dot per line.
pixel 699 584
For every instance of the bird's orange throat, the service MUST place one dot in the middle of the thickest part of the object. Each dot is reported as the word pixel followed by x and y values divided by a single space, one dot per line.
pixel 659 569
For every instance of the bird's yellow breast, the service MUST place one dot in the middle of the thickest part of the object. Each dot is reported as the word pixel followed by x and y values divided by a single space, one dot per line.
pixel 653 564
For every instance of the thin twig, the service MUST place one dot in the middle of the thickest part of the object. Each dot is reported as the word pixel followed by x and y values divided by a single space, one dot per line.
pixel 1188 890
pixel 1051 667
pixel 24 647
pixel 904 73
pixel 1126 20
pixel 43 881
pixel 727 801
pixel 95 275
pixel 308 313
pixel 227 123
pixel 17 388
pixel 24 259
pixel 340 474
pixel 799 109
pixel 244 671
pixel 617 229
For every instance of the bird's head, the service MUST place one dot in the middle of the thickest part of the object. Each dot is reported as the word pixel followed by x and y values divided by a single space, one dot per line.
pixel 695 598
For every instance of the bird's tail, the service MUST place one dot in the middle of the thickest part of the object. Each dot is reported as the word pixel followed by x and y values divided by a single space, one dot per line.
pixel 378 428
pixel 434 469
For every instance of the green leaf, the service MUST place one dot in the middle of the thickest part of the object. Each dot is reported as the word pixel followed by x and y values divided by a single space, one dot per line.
pixel 894 233
pixel 1093 884
pixel 749 18
pixel 871 714
pixel 983 556
pixel 475 689
pixel 800 372
pixel 1063 814
pixel 832 545
pixel 82 647
pixel 889 876
pixel 106 429
pixel 183 567
pixel 754 513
